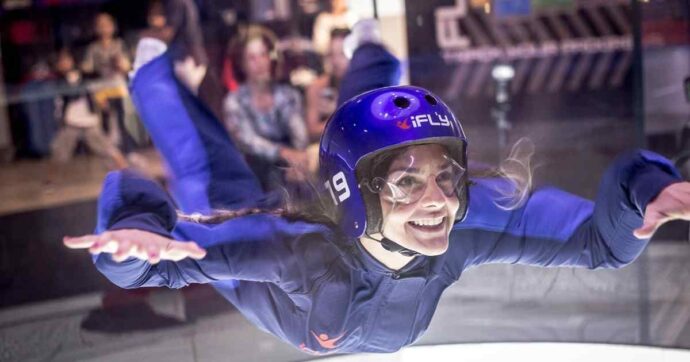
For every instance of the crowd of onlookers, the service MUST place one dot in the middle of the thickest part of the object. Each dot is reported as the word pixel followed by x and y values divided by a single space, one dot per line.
pixel 276 93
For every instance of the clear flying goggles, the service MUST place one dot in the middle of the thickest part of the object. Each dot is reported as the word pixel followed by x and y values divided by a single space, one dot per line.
pixel 407 184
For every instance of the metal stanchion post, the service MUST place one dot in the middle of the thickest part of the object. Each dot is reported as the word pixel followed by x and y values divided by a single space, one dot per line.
pixel 502 74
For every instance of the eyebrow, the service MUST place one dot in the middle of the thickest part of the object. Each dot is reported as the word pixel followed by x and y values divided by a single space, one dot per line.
pixel 416 170
pixel 407 169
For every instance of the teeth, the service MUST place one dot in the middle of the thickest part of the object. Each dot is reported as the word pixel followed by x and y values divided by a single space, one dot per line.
pixel 428 222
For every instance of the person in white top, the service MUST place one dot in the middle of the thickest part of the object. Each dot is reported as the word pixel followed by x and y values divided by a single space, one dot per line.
pixel 78 113
pixel 338 18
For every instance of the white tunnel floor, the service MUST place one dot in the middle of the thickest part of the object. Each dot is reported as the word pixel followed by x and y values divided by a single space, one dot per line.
pixel 533 352
pixel 646 303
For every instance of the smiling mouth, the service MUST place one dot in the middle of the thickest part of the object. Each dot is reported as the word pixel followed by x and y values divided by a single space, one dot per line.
pixel 428 225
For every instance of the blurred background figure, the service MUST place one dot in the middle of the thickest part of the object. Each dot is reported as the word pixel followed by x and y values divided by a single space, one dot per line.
pixel 322 94
pixel 338 17
pixel 78 115
pixel 301 65
pixel 107 58
pixel 265 118
pixel 157 22
pixel 39 110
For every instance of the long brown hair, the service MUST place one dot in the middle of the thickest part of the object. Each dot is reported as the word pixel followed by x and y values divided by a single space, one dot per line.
pixel 518 169
pixel 238 45
pixel 316 206
pixel 313 205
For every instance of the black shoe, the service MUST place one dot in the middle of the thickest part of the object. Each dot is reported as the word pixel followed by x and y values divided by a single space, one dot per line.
pixel 130 318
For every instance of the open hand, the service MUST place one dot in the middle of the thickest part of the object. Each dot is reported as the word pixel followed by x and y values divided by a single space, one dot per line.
pixel 140 244
pixel 672 203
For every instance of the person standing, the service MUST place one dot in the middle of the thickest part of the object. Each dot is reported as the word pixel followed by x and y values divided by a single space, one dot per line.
pixel 339 17
pixel 107 58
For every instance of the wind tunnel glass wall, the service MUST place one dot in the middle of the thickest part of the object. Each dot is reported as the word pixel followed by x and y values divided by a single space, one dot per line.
pixel 581 80
pixel 562 73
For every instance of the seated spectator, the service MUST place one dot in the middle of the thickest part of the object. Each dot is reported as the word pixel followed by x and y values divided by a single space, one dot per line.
pixel 79 116
pixel 322 94
pixel 265 118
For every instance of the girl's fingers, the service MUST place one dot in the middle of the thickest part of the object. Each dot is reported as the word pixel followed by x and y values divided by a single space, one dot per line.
pixel 153 253
pixel 104 246
pixel 651 222
pixel 174 251
pixel 139 251
pixel 96 247
pixel 142 245
pixel 123 251
pixel 100 243
pixel 646 230
pixel 79 242
pixel 195 251
pixel 177 250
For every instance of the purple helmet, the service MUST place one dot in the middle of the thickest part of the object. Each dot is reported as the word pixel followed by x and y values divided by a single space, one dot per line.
pixel 366 127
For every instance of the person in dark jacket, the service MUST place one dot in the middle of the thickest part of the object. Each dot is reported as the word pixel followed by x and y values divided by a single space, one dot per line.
pixel 407 219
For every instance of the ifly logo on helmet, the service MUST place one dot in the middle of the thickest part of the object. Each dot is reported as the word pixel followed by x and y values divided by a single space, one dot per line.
pixel 425 120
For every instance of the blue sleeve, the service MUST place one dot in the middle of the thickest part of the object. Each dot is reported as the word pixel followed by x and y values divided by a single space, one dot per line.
pixel 261 247
pixel 555 228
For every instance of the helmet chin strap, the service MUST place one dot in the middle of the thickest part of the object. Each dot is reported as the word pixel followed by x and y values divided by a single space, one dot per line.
pixel 392 246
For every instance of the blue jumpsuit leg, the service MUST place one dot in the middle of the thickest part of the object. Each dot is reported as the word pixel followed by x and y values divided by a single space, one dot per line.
pixel 206 170
pixel 371 67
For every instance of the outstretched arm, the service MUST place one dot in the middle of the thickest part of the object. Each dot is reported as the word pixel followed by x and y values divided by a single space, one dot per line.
pixel 555 228
pixel 136 219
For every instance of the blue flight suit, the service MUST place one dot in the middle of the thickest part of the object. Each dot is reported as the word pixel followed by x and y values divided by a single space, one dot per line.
pixel 311 286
